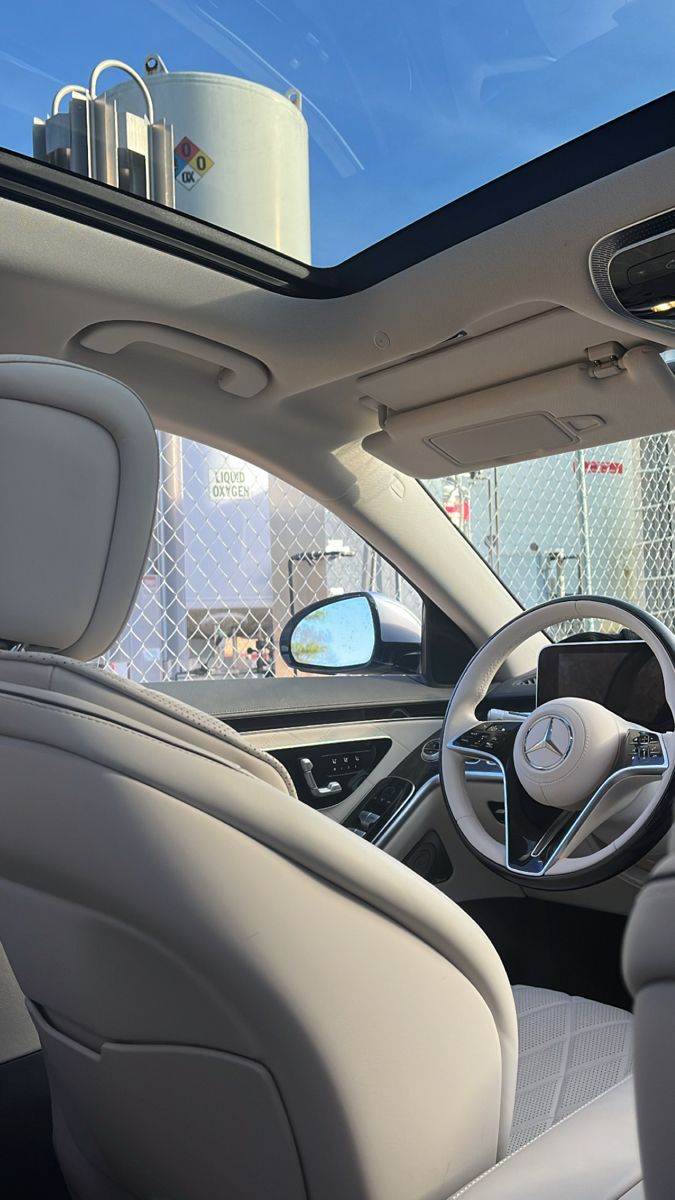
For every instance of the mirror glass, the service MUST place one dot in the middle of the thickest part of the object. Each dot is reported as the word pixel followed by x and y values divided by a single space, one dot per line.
pixel 338 635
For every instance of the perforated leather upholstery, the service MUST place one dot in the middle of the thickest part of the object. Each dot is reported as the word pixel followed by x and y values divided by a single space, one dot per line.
pixel 570 1051
pixel 593 1154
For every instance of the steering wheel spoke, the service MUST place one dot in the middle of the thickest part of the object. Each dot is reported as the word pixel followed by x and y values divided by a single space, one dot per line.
pixel 526 840
pixel 532 839
pixel 643 757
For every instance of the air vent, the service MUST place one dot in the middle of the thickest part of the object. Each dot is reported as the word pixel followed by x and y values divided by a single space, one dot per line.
pixel 431 750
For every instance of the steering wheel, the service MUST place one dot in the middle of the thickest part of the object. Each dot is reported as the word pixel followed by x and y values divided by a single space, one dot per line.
pixel 567 767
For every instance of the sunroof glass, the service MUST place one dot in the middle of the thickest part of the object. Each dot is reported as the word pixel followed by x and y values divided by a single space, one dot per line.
pixel 318 128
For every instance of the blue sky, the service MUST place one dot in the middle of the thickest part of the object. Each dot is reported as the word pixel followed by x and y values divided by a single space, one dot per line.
pixel 410 103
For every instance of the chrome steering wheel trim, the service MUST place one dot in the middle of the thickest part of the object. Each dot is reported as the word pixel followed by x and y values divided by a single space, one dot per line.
pixel 531 853
pixel 539 839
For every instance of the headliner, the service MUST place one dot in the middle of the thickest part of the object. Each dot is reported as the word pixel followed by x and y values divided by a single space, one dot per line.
pixel 519 289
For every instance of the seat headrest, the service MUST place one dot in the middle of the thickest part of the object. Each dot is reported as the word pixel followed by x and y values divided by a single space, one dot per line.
pixel 78 490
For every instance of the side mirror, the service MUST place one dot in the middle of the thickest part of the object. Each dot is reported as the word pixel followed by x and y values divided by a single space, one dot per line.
pixel 360 631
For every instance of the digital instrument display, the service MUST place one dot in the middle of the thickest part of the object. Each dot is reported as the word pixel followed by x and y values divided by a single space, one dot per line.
pixel 623 676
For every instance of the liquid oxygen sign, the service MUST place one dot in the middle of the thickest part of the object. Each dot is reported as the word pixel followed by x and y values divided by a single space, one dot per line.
pixel 229 483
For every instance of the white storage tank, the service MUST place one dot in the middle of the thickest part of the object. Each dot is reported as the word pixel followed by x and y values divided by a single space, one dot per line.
pixel 241 152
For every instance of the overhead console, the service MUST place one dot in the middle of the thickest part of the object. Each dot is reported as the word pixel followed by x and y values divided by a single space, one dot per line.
pixel 487 400
pixel 633 271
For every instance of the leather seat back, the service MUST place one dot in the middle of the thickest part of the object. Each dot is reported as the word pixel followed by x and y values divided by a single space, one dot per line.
pixel 234 996
pixel 649 970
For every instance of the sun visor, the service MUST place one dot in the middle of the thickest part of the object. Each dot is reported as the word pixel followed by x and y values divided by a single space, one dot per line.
pixel 614 394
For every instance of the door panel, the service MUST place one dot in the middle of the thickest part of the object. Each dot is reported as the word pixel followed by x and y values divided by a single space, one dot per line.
pixel 403 735
pixel 469 880
pixel 423 814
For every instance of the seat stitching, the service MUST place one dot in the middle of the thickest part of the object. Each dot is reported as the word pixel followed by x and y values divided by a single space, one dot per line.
pixel 467 1186
pixel 154 701
pixel 108 723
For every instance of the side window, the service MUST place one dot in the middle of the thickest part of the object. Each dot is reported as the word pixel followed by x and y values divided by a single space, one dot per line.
pixel 235 553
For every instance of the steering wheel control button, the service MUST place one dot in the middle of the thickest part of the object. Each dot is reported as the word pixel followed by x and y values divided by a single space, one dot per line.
pixel 644 749
pixel 489 737
pixel 548 743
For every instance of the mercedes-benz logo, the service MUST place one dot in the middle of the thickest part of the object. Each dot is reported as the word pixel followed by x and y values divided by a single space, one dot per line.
pixel 548 742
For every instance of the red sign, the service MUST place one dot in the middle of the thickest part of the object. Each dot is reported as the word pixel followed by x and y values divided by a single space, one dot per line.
pixel 594 466
pixel 458 510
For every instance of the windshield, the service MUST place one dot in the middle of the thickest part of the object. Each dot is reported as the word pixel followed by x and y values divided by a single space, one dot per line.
pixel 598 521
pixel 319 128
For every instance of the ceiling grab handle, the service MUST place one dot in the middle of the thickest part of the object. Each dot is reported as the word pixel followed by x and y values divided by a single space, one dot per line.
pixel 240 374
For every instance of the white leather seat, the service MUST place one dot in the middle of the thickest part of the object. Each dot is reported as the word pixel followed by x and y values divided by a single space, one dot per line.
pixel 592 1154
pixel 570 1051
pixel 234 996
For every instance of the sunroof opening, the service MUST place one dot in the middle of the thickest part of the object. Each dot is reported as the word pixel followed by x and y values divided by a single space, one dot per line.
pixel 317 129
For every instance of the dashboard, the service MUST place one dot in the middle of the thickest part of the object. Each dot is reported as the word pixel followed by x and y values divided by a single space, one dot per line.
pixel 365 749
pixel 622 675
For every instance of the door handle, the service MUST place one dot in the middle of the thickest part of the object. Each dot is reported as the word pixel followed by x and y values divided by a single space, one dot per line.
pixel 333 788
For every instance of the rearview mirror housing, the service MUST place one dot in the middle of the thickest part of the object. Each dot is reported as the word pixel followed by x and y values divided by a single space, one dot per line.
pixel 357 632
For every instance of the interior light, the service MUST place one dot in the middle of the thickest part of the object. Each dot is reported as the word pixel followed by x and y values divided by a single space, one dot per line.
pixel 664 306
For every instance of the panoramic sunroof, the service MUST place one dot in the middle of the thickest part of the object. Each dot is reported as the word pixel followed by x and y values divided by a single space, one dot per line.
pixel 318 128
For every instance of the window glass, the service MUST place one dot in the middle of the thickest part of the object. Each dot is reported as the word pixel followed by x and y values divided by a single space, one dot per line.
pixel 318 128
pixel 235 553
pixel 598 521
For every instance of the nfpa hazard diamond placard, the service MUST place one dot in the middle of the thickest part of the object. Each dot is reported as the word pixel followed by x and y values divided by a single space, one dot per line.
pixel 191 163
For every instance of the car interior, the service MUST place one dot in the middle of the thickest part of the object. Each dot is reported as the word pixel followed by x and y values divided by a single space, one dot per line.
pixel 393 922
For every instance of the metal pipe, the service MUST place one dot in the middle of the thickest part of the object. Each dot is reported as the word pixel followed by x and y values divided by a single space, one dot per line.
pixel 69 89
pixel 120 66
pixel 583 524
pixel 170 538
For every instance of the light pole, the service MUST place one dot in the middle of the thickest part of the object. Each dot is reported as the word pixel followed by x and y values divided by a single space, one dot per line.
pixel 172 556
pixel 583 527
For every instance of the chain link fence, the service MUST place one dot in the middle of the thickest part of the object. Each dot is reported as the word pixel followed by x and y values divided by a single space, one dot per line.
pixel 235 553
pixel 600 521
